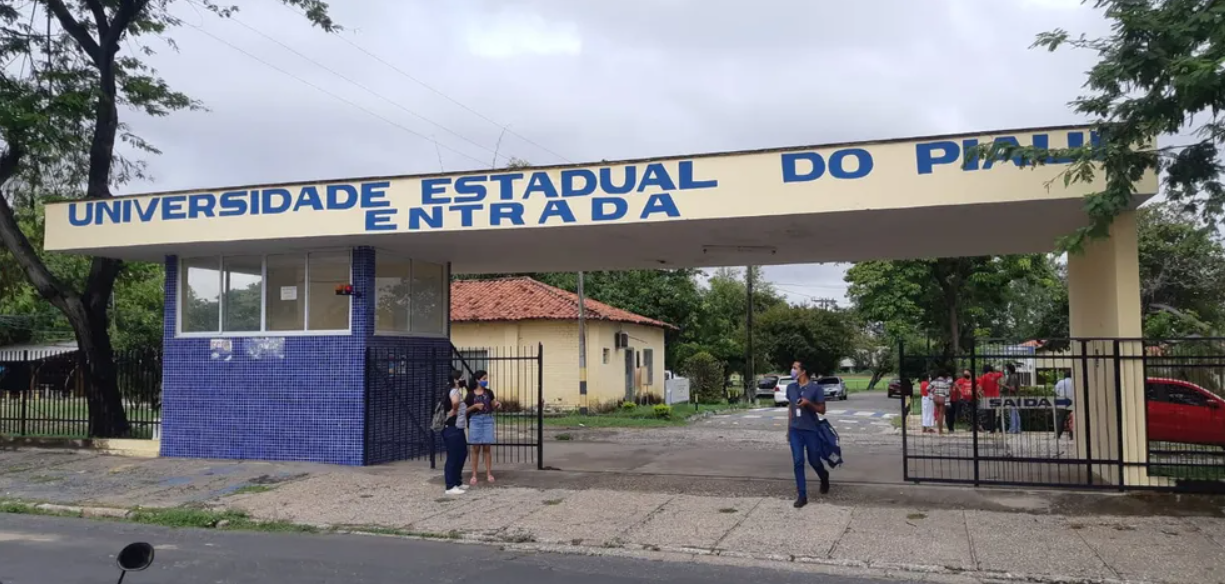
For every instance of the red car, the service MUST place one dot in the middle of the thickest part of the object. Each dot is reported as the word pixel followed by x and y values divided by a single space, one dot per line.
pixel 1179 411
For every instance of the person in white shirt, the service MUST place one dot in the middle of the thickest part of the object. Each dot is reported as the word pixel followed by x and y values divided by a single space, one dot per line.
pixel 1063 391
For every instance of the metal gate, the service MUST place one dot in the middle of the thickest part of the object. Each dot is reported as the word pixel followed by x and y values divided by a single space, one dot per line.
pixel 1046 414
pixel 403 385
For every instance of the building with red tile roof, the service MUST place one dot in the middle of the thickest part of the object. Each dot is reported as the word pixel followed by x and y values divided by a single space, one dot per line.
pixel 625 351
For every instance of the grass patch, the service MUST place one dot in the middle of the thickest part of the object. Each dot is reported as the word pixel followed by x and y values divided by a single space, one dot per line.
pixel 637 417
pixel 1189 473
pixel 553 502
pixel 728 510
pixel 44 479
pixel 251 489
pixel 916 516
pixel 207 519
pixel 564 437
pixel 19 508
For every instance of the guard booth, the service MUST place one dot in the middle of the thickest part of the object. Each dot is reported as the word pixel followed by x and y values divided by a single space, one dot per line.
pixel 263 359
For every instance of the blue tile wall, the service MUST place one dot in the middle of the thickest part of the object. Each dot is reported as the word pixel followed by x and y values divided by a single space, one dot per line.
pixel 305 399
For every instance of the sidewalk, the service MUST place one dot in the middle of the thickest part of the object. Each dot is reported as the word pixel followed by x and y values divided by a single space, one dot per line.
pixel 914 533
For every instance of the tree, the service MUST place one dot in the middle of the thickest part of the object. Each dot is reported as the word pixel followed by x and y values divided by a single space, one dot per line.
pixel 706 375
pixel 819 338
pixel 1182 273
pixel 949 299
pixel 59 124
pixel 1159 73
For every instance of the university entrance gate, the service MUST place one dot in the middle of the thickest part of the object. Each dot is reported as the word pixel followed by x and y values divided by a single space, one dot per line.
pixel 280 297
pixel 1047 414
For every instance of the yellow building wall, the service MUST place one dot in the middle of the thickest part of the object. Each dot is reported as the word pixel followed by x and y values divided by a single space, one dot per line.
pixel 605 381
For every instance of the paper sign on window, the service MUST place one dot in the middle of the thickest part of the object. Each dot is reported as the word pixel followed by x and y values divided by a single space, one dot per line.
pixel 289 293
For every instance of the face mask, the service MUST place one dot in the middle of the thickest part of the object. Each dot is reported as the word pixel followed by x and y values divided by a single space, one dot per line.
pixel 483 383
pixel 795 373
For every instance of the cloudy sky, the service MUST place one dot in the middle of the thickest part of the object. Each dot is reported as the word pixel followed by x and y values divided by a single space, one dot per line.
pixel 418 85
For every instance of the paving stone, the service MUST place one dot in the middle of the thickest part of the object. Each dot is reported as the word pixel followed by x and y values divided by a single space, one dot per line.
pixel 1031 544
pixel 692 522
pixel 775 527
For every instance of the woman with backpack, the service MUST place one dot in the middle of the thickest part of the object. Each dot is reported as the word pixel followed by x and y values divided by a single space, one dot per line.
pixel 455 410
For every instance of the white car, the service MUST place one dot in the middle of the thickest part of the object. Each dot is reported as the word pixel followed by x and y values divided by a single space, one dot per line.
pixel 780 390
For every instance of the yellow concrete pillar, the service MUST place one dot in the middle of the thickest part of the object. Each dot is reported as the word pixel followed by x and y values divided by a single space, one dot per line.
pixel 1108 370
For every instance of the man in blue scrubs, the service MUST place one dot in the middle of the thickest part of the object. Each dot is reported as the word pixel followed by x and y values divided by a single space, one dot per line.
pixel 805 400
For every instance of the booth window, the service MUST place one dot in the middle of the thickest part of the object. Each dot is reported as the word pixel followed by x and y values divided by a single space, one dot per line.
pixel 276 293
pixel 410 296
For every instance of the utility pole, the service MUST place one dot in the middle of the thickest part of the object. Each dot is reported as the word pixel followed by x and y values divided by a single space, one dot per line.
pixel 582 349
pixel 750 370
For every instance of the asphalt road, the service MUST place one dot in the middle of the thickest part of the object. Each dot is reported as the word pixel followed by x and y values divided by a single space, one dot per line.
pixel 865 412
pixel 38 550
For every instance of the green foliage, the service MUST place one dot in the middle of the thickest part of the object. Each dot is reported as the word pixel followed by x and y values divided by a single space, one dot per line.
pixel 706 376
pixel 1158 73
pixel 954 299
pixel 629 406
pixel 662 411
pixel 1182 273
pixel 817 337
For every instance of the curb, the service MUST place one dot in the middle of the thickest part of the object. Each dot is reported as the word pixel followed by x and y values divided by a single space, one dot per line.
pixel 90 512
pixel 527 543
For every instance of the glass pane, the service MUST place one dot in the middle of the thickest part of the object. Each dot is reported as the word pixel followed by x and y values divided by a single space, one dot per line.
pixel 242 286
pixel 285 306
pixel 200 299
pixel 427 297
pixel 392 282
pixel 328 311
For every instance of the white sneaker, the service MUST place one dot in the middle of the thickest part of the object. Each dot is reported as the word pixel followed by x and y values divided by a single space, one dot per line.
pixel 455 491
pixel 464 486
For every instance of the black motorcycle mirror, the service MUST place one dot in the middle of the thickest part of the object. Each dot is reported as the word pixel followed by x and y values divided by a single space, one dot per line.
pixel 134 558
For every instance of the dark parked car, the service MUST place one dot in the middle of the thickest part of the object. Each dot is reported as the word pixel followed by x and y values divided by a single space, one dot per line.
pixel 895 388
pixel 765 386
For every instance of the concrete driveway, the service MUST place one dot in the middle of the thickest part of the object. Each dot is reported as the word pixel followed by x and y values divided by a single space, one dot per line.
pixel 748 444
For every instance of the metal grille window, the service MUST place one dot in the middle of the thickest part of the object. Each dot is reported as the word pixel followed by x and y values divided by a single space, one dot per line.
pixel 648 361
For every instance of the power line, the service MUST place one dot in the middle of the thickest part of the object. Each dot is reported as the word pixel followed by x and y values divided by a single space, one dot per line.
pixel 333 95
pixel 368 89
pixel 436 91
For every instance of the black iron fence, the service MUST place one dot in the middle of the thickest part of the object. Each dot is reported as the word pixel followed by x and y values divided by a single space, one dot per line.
pixel 404 384
pixel 42 393
pixel 1056 413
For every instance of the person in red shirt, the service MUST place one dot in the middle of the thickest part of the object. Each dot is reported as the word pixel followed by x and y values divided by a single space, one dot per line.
pixel 960 400
pixel 989 387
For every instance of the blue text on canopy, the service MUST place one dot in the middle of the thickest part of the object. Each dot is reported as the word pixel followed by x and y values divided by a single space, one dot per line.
pixel 269 201
pixel 609 191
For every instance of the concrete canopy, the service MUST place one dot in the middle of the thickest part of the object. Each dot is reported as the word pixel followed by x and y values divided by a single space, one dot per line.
pixel 897 199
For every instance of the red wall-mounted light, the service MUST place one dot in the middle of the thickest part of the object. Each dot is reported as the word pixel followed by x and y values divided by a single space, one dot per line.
pixel 345 290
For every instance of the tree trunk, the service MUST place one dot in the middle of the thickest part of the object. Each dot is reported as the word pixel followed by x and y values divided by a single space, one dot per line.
pixel 954 327
pixel 876 375
pixel 107 419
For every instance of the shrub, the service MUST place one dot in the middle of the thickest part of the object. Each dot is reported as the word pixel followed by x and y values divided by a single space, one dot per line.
pixel 705 375
pixel 628 406
pixel 511 406
pixel 662 411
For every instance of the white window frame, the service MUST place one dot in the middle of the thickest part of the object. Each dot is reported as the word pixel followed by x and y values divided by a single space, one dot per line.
pixel 263 308
pixel 446 300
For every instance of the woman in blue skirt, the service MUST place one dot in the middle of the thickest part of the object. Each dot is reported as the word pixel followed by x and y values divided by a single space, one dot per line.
pixel 481 405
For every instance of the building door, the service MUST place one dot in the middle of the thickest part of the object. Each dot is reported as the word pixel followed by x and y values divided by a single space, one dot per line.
pixel 629 374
